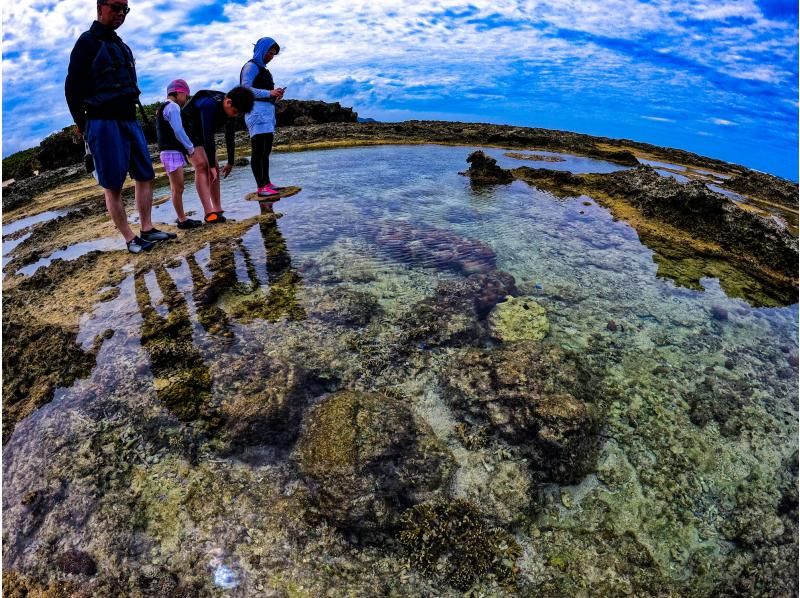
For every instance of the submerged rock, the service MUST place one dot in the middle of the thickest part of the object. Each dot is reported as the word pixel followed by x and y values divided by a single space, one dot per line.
pixel 535 399
pixel 267 405
pixel 346 306
pixel 367 459
pixel 454 315
pixel 484 170
pixel 427 246
pixel 452 540
pixel 76 562
pixel 519 319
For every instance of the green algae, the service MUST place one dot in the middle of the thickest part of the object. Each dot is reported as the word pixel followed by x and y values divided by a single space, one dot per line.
pixel 519 319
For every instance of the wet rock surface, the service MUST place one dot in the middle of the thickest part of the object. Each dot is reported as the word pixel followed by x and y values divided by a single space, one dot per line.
pixel 368 460
pixel 37 358
pixel 484 170
pixel 764 186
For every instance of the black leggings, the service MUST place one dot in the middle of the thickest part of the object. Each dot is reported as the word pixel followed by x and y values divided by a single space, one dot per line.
pixel 259 160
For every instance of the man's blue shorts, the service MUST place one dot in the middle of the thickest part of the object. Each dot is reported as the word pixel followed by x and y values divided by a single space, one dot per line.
pixel 118 147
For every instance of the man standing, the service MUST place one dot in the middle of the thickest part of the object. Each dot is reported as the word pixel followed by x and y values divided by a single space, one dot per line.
pixel 102 94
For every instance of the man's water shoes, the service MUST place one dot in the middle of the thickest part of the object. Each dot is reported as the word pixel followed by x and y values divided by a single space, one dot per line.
pixel 138 245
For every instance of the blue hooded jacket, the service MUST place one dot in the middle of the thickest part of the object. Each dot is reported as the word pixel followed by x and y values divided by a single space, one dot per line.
pixel 262 118
pixel 262 47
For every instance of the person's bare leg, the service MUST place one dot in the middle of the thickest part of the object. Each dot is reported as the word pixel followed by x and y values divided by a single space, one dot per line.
pixel 216 194
pixel 116 210
pixel 144 203
pixel 201 178
pixel 176 185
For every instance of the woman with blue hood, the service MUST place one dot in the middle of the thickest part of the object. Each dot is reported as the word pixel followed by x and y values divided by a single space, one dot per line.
pixel 261 120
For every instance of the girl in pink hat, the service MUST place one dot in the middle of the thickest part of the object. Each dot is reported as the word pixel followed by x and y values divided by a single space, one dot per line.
pixel 174 145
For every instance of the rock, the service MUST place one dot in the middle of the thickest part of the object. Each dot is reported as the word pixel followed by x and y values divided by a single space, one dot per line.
pixel 764 186
pixel 346 306
pixel 268 404
pixel 534 398
pixel 367 459
pixel 719 313
pixel 452 317
pixel 427 246
pixel 76 562
pixel 37 358
pixel 518 319
pixel 450 539
pixel 491 289
pixel 306 112
pixel 612 326
pixel 484 170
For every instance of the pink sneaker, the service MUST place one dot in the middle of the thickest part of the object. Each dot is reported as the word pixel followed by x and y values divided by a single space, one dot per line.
pixel 266 191
pixel 274 187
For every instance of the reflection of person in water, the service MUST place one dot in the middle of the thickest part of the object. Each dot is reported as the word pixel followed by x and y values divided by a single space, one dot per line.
pixel 182 380
pixel 283 279
pixel 208 290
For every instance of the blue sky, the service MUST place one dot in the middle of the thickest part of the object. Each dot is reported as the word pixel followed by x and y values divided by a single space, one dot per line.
pixel 717 77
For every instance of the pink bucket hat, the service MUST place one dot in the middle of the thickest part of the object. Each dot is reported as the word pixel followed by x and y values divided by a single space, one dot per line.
pixel 178 86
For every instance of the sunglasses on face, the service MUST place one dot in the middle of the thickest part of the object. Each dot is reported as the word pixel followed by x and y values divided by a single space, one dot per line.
pixel 116 7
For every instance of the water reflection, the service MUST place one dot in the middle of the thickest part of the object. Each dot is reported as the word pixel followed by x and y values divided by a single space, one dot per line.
pixel 247 300
pixel 182 379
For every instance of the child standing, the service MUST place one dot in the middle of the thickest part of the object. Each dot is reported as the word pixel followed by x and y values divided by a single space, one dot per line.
pixel 261 121
pixel 173 143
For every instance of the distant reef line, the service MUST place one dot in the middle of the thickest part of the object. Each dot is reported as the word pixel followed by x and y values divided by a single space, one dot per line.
pixel 306 125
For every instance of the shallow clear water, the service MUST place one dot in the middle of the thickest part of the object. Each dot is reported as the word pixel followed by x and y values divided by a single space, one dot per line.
pixel 657 164
pixel 570 256
pixel 73 252
pixel 570 162
pixel 727 192
pixel 18 225
pixel 678 177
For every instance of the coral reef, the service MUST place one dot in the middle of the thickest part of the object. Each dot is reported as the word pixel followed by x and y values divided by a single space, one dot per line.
pixel 452 540
pixel 533 397
pixel 368 460
pixel 428 246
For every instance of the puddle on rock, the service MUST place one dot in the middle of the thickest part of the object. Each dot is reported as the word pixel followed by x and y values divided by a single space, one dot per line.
pixel 73 252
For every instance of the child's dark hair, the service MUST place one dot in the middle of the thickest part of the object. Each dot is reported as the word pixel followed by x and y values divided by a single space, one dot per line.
pixel 241 98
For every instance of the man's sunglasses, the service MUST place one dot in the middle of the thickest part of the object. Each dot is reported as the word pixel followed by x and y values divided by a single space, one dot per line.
pixel 118 7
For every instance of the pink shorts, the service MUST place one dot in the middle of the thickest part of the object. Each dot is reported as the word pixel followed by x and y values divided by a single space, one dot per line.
pixel 172 160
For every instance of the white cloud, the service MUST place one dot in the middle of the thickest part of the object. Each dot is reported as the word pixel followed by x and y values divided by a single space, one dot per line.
pixel 660 119
pixel 397 50
pixel 722 122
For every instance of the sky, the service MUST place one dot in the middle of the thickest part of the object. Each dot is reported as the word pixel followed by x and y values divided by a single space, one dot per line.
pixel 716 77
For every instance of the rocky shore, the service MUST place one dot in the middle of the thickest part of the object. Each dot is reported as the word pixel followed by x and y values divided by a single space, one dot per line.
pixel 397 411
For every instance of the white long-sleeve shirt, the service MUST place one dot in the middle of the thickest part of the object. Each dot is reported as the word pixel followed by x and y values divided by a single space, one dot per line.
pixel 172 114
